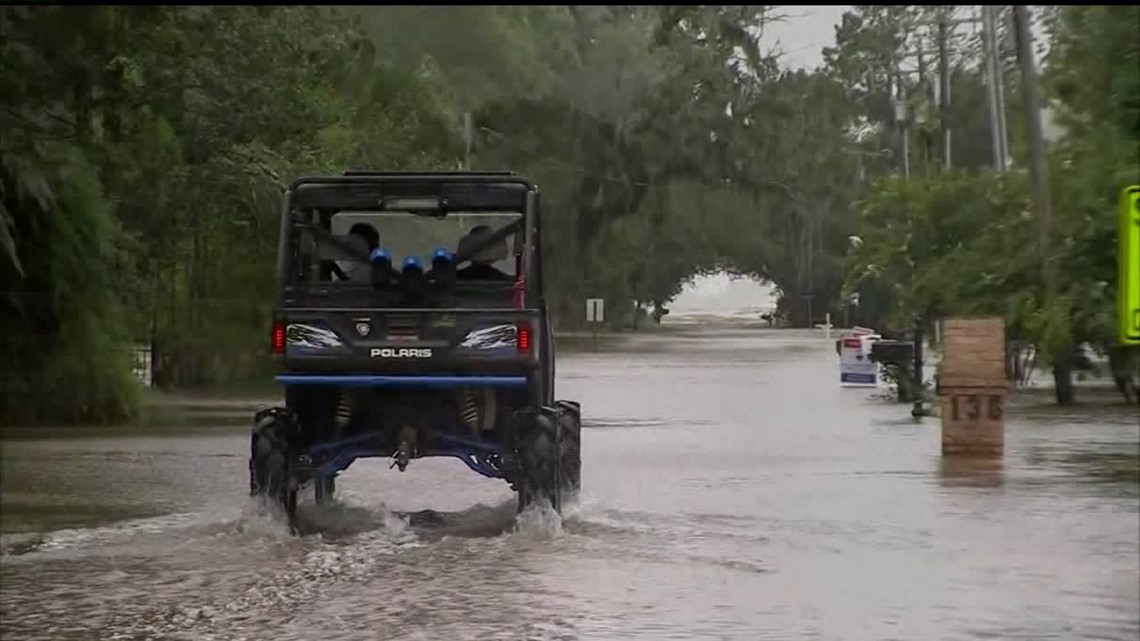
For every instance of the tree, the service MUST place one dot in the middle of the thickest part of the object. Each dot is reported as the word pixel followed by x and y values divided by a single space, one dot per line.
pixel 64 353
pixel 1092 74
pixel 144 151
pixel 963 243
pixel 665 140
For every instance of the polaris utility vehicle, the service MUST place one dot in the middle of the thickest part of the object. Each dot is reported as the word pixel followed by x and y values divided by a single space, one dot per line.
pixel 410 322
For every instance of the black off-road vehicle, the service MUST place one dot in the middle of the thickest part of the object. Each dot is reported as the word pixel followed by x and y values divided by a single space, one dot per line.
pixel 410 322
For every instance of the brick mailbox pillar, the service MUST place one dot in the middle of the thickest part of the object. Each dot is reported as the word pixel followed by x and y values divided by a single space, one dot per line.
pixel 973 386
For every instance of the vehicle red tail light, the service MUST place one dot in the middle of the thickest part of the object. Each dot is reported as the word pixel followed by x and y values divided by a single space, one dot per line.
pixel 522 338
pixel 277 338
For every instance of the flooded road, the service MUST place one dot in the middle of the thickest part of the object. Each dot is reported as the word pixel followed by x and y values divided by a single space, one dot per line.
pixel 731 490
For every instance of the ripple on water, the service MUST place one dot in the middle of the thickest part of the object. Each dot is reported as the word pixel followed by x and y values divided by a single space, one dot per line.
pixel 237 571
pixel 736 495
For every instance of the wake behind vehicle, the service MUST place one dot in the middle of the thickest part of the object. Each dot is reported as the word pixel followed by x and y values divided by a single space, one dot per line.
pixel 410 322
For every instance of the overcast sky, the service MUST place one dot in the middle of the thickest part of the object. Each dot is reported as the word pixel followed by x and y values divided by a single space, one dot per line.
pixel 805 32
pixel 801 38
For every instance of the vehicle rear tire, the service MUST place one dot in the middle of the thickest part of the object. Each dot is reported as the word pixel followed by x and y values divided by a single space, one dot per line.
pixel 271 452
pixel 570 452
pixel 540 459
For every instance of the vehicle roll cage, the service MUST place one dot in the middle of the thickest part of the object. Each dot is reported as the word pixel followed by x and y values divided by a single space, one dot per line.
pixel 363 190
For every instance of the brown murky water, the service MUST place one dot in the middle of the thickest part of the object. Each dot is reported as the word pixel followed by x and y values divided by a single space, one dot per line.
pixel 732 491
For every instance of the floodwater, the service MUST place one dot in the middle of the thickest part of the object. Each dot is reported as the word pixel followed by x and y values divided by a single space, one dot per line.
pixel 732 490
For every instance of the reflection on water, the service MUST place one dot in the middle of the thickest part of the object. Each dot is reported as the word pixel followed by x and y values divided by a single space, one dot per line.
pixel 732 491
pixel 1111 467
pixel 971 471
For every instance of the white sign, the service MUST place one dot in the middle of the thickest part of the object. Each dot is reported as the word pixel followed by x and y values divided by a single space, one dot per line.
pixel 143 366
pixel 595 310
pixel 855 364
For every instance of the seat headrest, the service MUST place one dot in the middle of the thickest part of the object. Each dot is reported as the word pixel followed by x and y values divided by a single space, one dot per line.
pixel 330 251
pixel 496 252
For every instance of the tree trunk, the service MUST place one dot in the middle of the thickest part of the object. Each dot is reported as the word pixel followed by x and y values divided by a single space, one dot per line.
pixel 1124 366
pixel 1063 380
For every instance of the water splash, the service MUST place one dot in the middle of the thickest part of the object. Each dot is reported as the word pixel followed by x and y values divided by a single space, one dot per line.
pixel 538 521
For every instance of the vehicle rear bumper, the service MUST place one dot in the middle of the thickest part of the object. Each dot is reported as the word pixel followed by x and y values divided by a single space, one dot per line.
pixel 446 365
pixel 433 381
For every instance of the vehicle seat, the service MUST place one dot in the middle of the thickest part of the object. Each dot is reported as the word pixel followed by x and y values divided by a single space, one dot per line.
pixel 482 263
pixel 357 272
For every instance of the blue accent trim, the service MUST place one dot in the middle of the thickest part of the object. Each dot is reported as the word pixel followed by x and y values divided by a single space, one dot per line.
pixel 477 445
pixel 442 253
pixel 343 460
pixel 498 350
pixel 380 253
pixel 865 379
pixel 298 350
pixel 359 438
pixel 412 262
pixel 472 461
pixel 473 444
pixel 369 380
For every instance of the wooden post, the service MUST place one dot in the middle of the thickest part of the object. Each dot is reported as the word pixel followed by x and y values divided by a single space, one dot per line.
pixel 973 386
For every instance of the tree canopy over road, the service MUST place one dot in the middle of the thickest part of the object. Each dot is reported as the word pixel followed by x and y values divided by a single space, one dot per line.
pixel 143 151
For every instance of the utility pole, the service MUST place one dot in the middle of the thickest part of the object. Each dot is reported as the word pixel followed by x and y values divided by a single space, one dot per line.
pixel 1038 172
pixel 901 122
pixel 468 137
pixel 920 116
pixel 992 71
pixel 944 88
pixel 999 67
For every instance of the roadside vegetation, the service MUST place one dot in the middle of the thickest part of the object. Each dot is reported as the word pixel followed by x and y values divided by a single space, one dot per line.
pixel 143 151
